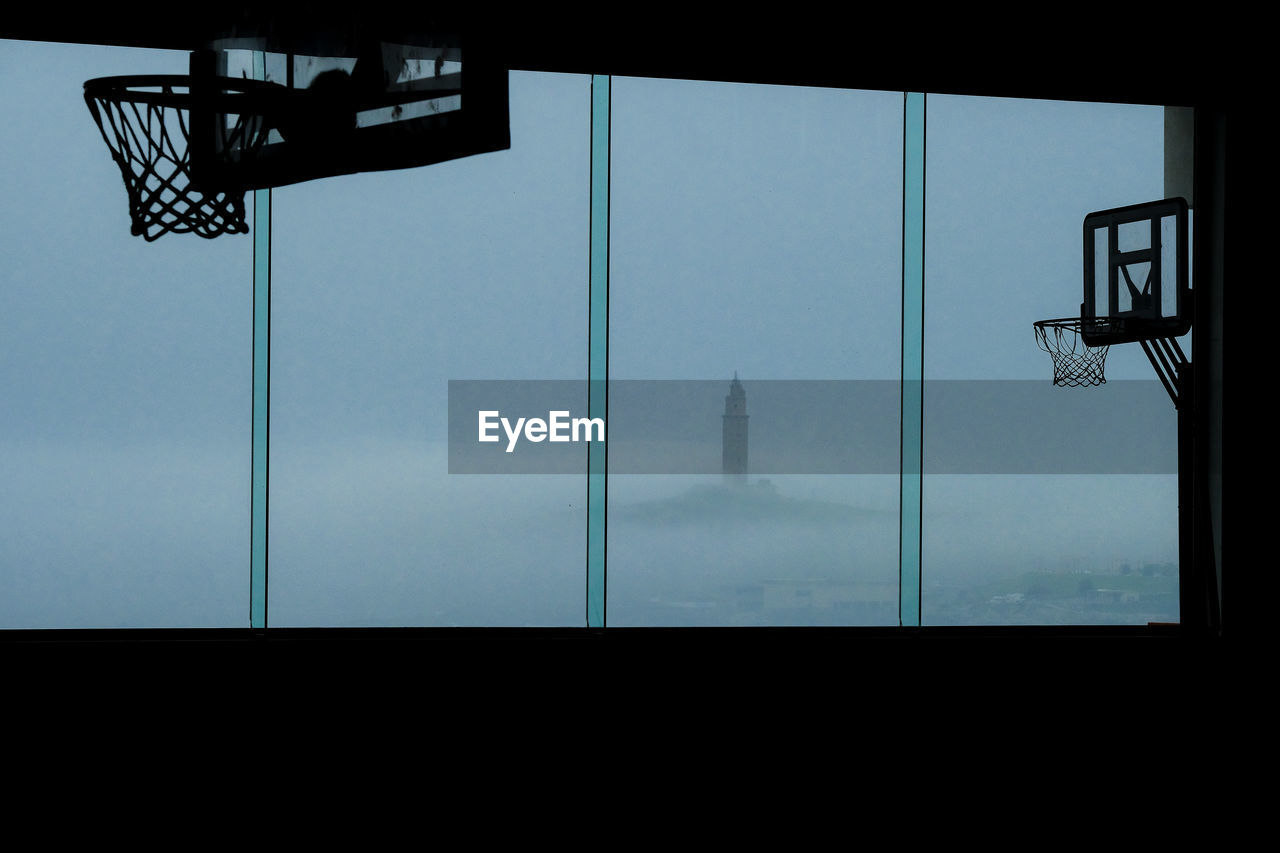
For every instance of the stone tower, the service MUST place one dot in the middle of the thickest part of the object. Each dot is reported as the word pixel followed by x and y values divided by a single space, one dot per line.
pixel 734 448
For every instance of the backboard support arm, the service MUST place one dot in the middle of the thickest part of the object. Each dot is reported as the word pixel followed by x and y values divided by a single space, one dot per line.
pixel 1170 363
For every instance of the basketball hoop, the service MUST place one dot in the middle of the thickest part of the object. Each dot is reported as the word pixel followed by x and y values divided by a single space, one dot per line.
pixel 1075 363
pixel 146 122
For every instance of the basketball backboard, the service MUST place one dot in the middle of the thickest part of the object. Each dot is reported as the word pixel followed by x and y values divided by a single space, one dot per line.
pixel 341 102
pixel 1136 282
pixel 273 105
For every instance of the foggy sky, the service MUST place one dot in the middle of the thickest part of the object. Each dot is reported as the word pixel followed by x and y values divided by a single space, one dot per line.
pixel 754 228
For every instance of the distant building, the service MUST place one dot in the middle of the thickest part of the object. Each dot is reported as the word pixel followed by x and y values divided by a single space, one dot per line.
pixel 734 448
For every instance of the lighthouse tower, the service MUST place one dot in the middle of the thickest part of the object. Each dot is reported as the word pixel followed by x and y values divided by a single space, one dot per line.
pixel 734 449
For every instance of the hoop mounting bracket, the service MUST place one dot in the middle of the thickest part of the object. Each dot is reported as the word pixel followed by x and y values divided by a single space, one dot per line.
pixel 1170 362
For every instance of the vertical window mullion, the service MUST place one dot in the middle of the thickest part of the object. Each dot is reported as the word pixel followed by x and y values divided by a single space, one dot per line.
pixel 261 391
pixel 913 190
pixel 598 347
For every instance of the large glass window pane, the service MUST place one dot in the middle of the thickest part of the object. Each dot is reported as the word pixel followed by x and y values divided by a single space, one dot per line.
pixel 757 230
pixel 124 376
pixel 1041 504
pixel 386 286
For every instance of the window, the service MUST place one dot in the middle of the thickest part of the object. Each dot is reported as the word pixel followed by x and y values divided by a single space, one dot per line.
pixel 386 286
pixel 755 233
pixel 1036 498
pixel 124 376
pixel 756 268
